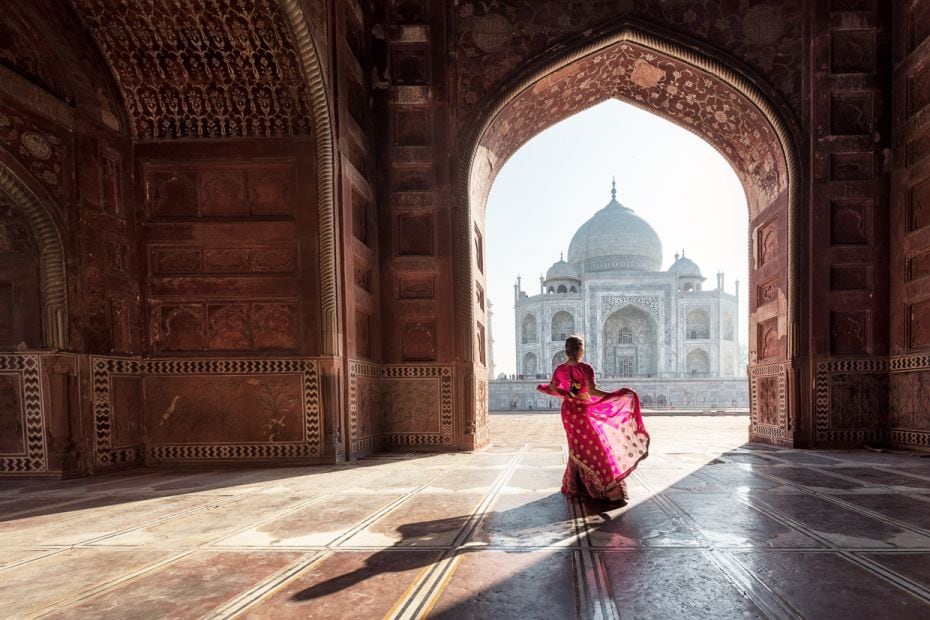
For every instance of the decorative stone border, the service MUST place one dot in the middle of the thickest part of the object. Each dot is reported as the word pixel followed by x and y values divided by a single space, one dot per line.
pixel 446 403
pixel 360 445
pixel 780 370
pixel 35 459
pixel 823 400
pixel 902 364
pixel 105 368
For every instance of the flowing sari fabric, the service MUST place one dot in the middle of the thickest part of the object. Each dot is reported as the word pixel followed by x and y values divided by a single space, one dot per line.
pixel 606 437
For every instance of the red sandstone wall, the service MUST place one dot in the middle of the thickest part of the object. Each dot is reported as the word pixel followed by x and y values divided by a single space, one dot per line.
pixel 849 117
pixel 910 228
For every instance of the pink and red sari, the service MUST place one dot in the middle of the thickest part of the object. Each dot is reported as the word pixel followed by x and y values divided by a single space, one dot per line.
pixel 606 437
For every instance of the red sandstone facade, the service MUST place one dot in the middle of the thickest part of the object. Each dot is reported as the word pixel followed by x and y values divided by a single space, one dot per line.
pixel 252 231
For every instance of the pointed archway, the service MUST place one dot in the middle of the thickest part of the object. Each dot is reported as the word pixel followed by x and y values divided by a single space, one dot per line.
pixel 715 98
pixel 51 256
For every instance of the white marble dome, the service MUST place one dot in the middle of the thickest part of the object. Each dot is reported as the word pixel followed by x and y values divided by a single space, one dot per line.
pixel 615 239
pixel 685 267
pixel 561 271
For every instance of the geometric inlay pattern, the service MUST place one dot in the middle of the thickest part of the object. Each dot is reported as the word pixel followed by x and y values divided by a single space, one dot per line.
pixel 823 400
pixel 35 459
pixel 310 446
pixel 444 374
pixel 359 369
pixel 763 399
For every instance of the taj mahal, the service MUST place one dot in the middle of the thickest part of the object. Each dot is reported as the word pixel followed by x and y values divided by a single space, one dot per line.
pixel 662 332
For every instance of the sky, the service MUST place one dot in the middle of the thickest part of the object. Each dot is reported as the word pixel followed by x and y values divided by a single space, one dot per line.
pixel 667 175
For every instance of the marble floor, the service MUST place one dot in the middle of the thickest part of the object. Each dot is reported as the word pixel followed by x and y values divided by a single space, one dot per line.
pixel 716 528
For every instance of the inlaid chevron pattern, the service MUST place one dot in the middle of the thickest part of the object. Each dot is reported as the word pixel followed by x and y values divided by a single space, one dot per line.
pixel 35 459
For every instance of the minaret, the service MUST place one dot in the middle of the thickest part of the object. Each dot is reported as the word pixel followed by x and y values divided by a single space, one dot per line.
pixel 542 287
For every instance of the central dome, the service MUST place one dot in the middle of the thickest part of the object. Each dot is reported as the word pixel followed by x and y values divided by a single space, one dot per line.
pixel 615 239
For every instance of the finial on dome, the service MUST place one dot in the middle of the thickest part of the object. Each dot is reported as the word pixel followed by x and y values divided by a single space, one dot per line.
pixel 613 188
pixel 682 252
pixel 561 256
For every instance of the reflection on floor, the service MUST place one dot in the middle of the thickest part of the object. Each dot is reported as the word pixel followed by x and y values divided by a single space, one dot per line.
pixel 716 528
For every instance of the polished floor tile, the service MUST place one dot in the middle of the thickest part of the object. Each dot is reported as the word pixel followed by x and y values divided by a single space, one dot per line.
pixel 715 528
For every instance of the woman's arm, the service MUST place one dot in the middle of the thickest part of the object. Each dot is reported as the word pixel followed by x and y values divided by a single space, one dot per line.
pixel 593 390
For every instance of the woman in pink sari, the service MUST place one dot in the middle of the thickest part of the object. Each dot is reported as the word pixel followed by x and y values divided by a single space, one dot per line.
pixel 606 435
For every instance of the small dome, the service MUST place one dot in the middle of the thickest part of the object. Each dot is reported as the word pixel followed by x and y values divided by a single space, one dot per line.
pixel 561 271
pixel 686 268
pixel 615 239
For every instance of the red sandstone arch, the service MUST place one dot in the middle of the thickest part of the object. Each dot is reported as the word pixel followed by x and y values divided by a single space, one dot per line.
pixel 714 99
pixel 51 254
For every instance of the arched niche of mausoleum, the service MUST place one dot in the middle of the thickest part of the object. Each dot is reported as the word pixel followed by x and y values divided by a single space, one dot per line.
pixel 697 363
pixel 20 299
pixel 528 331
pixel 529 364
pixel 563 326
pixel 697 325
pixel 630 345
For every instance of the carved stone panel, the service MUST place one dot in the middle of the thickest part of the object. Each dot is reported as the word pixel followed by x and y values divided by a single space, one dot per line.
pixel 121 324
pixel 361 217
pixel 12 419
pixel 918 265
pixel 410 65
pixel 362 334
pixel 858 400
pixel 850 332
pixel 416 287
pixel 228 327
pixel 223 409
pixel 415 235
pixel 222 193
pixel 127 407
pixel 850 277
pixel 918 211
pixel 275 325
pixel 909 408
pixel 918 92
pixel 767 292
pixel 851 166
pixel 851 114
pixel 419 341
pixel 225 190
pixel 179 327
pixel 852 51
pixel 413 127
pixel 919 324
pixel 767 243
pixel 768 345
pixel 111 181
pixel 767 403
pixel 849 222
pixel 411 406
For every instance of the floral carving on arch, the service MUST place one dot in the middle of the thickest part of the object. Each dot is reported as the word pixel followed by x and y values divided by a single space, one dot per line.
pixel 203 68
pixel 683 93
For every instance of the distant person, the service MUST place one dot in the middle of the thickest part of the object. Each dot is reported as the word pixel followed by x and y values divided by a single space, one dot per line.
pixel 606 435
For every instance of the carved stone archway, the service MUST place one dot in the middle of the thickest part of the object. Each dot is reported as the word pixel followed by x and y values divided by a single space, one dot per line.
pixel 715 98
pixel 323 135
pixel 52 281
